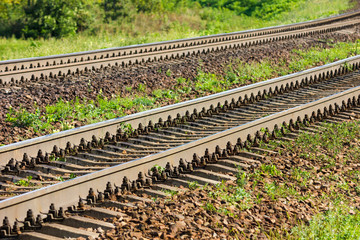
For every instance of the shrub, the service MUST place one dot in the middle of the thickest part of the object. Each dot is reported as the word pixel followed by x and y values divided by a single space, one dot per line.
pixel 265 9
pixel 269 9
pixel 54 18
pixel 118 8
pixel 128 8
pixel 43 18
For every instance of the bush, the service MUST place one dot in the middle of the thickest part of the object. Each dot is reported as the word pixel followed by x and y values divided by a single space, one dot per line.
pixel 128 8
pixel 118 8
pixel 265 9
pixel 43 18
pixel 54 18
pixel 269 9
pixel 240 7
pixel 10 14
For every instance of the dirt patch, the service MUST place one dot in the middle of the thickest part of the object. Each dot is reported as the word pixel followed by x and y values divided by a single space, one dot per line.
pixel 186 216
pixel 114 81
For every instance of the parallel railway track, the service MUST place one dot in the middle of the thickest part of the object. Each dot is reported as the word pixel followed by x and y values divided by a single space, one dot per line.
pixel 214 158
pixel 232 122
pixel 22 70
pixel 49 171
pixel 67 140
pixel 95 212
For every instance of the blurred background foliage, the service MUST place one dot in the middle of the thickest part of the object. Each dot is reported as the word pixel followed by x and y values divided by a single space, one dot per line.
pixel 31 28
pixel 60 18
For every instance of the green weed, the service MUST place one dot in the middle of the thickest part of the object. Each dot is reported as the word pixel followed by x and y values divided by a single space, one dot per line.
pixel 158 168
pixel 301 176
pixel 270 169
pixel 141 87
pixel 24 183
pixel 170 192
pixel 128 89
pixel 275 190
pixel 126 127
pixel 193 185
pixel 231 195
pixel 181 80
pixel 332 141
pixel 60 178
pixel 341 222
pixel 168 72
pixel 158 93
pixel 241 179
pixel 210 207
pixel 208 82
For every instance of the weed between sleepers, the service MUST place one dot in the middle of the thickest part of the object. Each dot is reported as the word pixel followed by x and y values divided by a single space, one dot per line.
pixel 66 115
pixel 25 183
pixel 170 192
pixel 157 168
pixel 326 145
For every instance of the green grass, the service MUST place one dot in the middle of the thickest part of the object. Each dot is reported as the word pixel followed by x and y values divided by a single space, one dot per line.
pixel 301 60
pixel 158 168
pixel 63 115
pixel 230 195
pixel 276 190
pixel 170 192
pixel 193 185
pixel 328 144
pixel 154 27
pixel 341 222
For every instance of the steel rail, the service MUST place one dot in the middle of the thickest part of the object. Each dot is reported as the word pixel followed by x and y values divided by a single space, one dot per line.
pixel 132 146
pixel 14 71
pixel 99 130
pixel 123 149
pixel 60 194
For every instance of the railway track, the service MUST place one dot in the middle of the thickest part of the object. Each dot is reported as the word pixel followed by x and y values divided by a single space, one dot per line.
pixel 46 169
pixel 210 164
pixel 146 121
pixel 22 70
pixel 213 125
